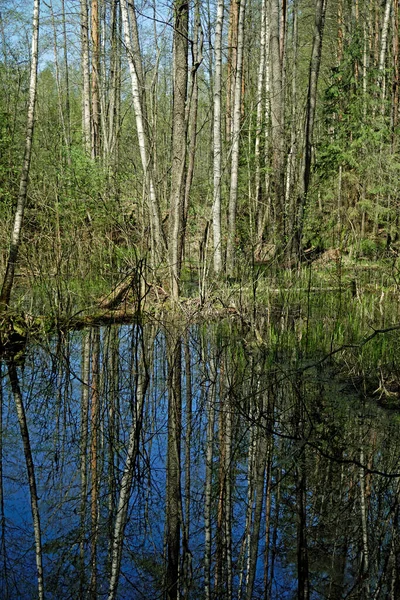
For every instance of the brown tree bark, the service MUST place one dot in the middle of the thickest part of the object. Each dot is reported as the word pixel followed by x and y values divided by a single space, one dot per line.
pixel 179 138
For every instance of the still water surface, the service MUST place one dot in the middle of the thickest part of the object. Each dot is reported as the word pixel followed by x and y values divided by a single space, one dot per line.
pixel 195 465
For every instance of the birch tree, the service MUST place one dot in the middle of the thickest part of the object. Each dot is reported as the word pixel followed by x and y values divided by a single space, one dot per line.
pixel 85 65
pixel 234 178
pixel 8 280
pixel 95 81
pixel 217 139
pixel 157 236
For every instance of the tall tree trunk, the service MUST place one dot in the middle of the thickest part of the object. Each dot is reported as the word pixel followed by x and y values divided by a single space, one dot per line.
pixel 8 280
pixel 95 36
pixel 85 68
pixel 315 63
pixel 191 114
pixel 217 139
pixel 179 137
pixel 259 123
pixel 290 190
pixel 382 54
pixel 157 236
pixel 231 67
pixel 237 105
pixel 277 121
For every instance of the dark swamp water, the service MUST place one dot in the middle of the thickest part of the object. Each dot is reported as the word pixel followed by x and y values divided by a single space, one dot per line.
pixel 193 465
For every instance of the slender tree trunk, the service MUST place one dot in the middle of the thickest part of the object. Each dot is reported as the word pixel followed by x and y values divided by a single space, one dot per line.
pixel 179 137
pixel 395 76
pixel 191 115
pixel 8 280
pixel 16 390
pixel 277 120
pixel 85 68
pixel 291 191
pixel 231 67
pixel 320 10
pixel 157 236
pixel 233 193
pixel 63 117
pixel 95 36
pixel 259 123
pixel 382 54
pixel 217 139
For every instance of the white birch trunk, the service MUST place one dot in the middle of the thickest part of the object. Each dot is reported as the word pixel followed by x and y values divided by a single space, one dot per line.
pixel 23 184
pixel 231 242
pixel 155 218
pixel 86 113
pixel 382 53
pixel 217 139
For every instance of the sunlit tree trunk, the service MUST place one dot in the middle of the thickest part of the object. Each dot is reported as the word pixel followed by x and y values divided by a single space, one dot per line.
pixel 95 81
pixel 277 117
pixel 234 177
pixel 179 137
pixel 217 139
pixel 63 109
pixel 8 280
pixel 16 390
pixel 395 76
pixel 191 115
pixel 290 190
pixel 231 67
pixel 382 53
pixel 85 68
pixel 157 236
pixel 259 123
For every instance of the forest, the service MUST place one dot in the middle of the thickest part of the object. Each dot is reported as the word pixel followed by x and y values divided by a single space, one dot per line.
pixel 196 141
pixel 199 316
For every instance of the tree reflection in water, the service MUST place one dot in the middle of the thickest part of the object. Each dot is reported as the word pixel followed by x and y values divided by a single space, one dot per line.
pixel 175 464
